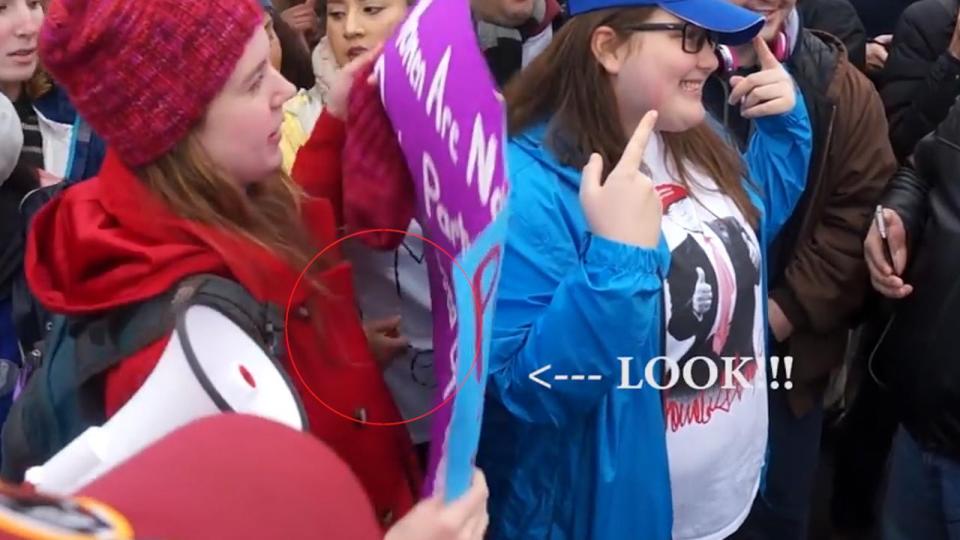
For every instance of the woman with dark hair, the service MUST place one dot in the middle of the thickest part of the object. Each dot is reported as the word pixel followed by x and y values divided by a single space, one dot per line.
pixel 295 64
pixel 289 56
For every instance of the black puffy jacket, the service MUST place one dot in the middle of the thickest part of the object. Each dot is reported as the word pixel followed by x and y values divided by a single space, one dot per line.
pixel 921 79
pixel 839 18
pixel 918 356
pixel 880 16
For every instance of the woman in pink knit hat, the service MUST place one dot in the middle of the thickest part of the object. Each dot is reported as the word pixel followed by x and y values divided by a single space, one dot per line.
pixel 185 96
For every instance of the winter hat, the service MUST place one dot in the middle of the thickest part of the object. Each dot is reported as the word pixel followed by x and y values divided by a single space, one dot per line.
pixel 733 24
pixel 224 476
pixel 11 138
pixel 142 72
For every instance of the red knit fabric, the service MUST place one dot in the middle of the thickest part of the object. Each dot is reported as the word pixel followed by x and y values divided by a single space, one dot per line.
pixel 142 72
pixel 315 171
pixel 378 191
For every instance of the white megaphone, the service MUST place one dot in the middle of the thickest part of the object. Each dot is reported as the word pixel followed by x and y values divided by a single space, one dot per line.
pixel 210 366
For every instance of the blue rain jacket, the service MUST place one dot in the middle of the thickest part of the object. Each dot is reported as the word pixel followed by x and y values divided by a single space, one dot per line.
pixel 584 460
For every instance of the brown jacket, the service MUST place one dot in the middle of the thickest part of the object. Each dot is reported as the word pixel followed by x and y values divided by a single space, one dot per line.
pixel 820 280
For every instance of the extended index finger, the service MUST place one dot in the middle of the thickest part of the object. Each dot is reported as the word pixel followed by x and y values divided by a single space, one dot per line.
pixel 764 55
pixel 637 145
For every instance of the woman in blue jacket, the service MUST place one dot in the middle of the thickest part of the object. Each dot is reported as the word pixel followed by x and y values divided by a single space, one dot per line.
pixel 635 264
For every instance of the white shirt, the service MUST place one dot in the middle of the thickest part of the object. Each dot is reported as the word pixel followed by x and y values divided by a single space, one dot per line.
pixel 716 437
pixel 390 283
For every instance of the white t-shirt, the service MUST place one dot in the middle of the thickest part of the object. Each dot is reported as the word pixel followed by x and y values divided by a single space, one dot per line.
pixel 390 283
pixel 716 437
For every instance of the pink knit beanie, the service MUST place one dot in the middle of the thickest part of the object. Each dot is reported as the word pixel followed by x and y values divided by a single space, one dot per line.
pixel 142 72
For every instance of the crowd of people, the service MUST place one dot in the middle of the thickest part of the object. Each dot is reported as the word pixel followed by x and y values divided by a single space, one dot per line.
pixel 719 180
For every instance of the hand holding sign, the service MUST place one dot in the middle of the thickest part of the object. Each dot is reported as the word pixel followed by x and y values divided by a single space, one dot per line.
pixel 464 519
pixel 768 92
pixel 625 207
pixel 443 106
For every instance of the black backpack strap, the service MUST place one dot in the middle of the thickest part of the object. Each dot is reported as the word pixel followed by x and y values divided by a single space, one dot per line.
pixel 104 341
pixel 260 320
pixel 64 396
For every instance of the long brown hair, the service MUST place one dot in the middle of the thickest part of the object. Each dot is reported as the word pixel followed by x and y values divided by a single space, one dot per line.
pixel 567 85
pixel 295 63
pixel 266 213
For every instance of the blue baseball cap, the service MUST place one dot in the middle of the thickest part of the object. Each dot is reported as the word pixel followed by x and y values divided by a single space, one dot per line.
pixel 733 24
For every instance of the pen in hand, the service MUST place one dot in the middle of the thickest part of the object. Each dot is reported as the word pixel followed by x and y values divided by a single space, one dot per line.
pixel 882 229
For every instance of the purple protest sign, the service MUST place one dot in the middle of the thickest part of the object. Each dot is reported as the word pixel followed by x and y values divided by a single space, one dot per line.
pixel 451 124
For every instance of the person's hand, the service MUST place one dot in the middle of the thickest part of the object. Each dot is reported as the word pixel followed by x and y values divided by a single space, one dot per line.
pixel 781 326
pixel 47 179
pixel 768 92
pixel 385 340
pixel 702 295
pixel 877 53
pixel 464 519
pixel 954 47
pixel 339 92
pixel 302 18
pixel 885 279
pixel 625 208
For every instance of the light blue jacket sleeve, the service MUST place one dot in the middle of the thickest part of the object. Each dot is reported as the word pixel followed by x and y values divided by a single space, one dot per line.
pixel 778 157
pixel 570 300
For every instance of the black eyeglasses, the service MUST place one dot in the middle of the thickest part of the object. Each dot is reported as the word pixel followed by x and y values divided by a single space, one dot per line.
pixel 694 37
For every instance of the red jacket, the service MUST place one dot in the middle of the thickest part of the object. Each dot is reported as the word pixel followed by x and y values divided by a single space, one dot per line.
pixel 108 242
